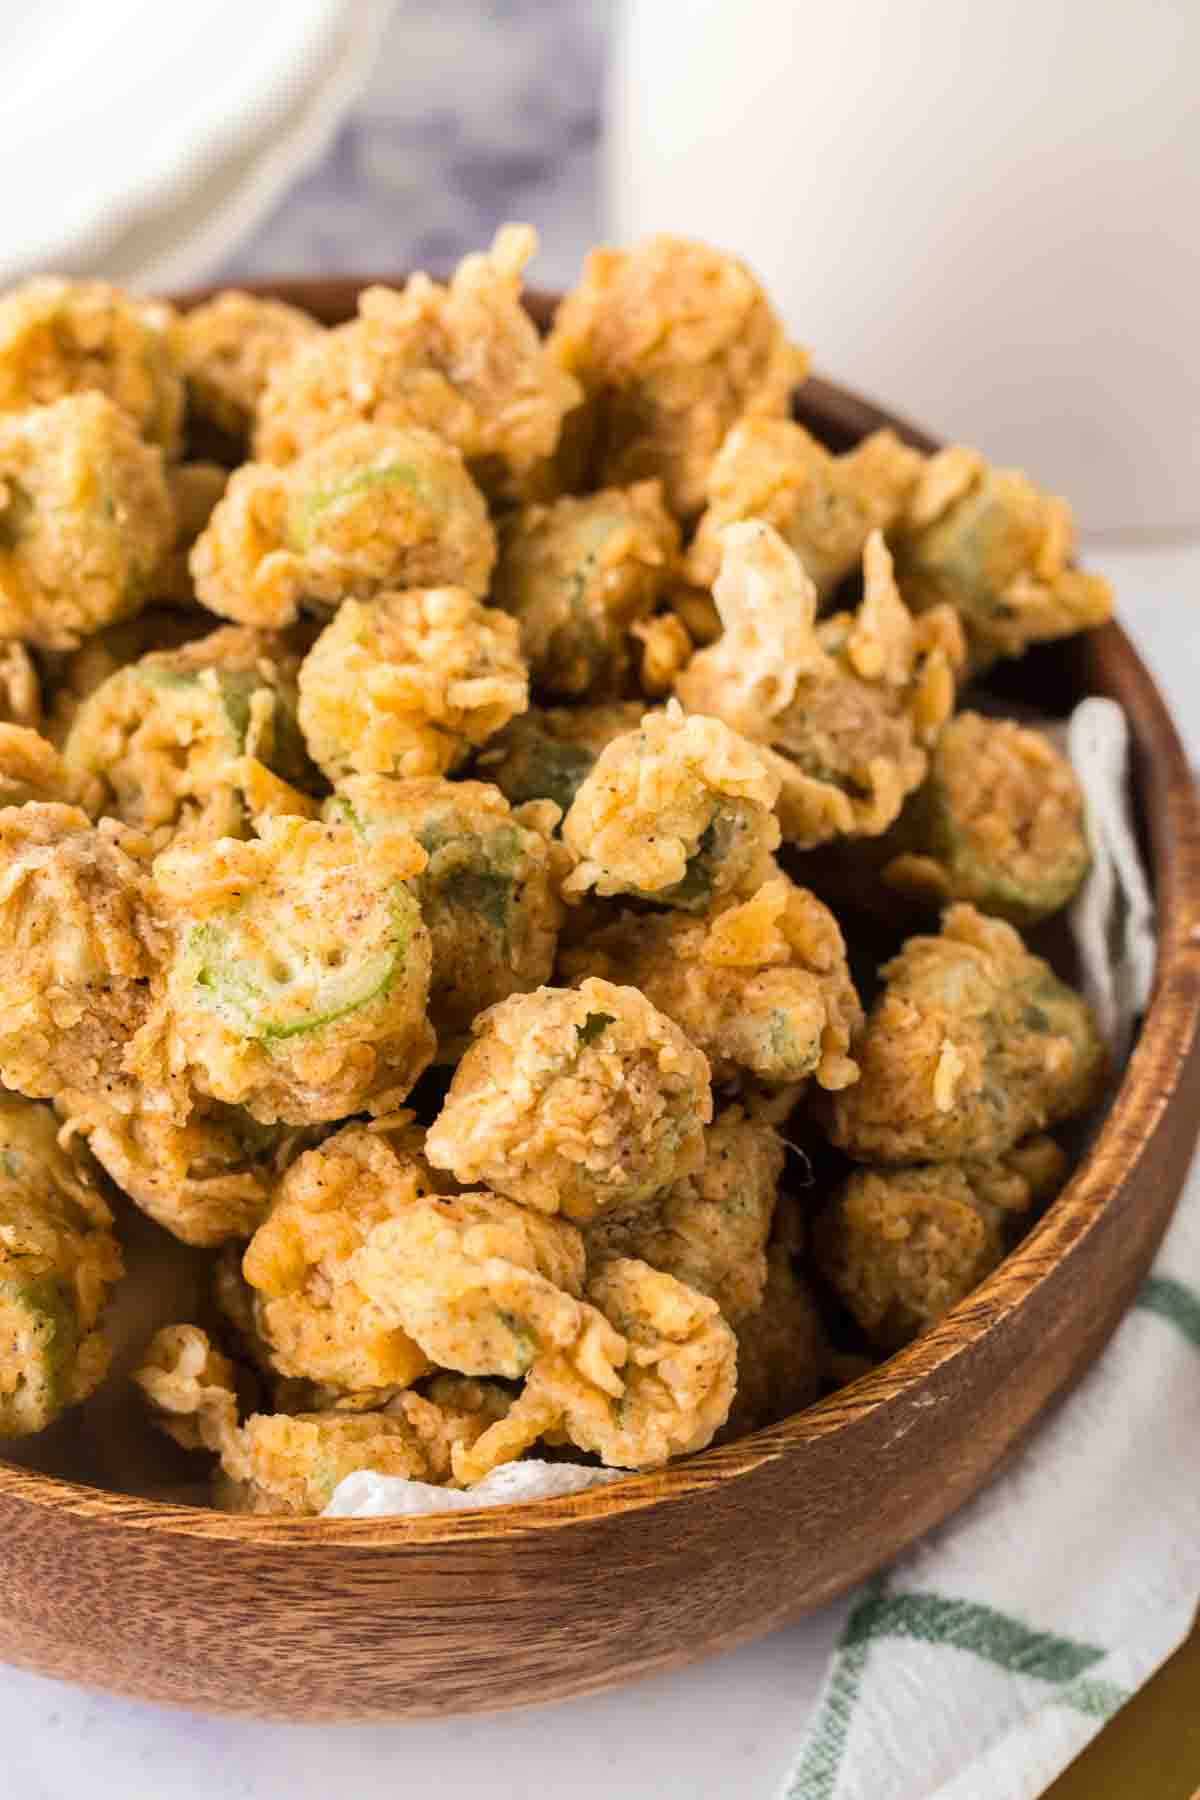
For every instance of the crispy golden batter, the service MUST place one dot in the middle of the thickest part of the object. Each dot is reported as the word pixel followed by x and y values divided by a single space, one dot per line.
pixel 231 346
pixel 673 343
pixel 665 648
pixel 73 337
pixel 32 769
pixel 709 1230
pixel 163 742
pixel 194 489
pixel 206 1181
pixel 71 678
pixel 483 1285
pixel 298 979
pixel 288 1463
pixel 85 520
pixel 544 754
pixel 999 822
pixel 488 893
pixel 58 1260
pixel 20 688
pixel 370 509
pixel 973 1043
pixel 900 1247
pixel 990 543
pixel 824 507
pixel 464 361
pixel 678 811
pixel 310 1316
pixel 651 1375
pixel 578 575
pixel 78 946
pixel 409 683
pixel 760 986
pixel 849 707
pixel 574 1100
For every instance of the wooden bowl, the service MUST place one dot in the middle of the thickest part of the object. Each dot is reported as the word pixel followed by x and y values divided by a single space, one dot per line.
pixel 360 1619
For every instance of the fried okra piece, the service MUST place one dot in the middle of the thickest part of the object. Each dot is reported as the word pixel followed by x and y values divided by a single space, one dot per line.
pixel 761 986
pixel 195 489
pixel 544 754
pixel 972 1044
pixel 20 687
pixel 709 1230
pixel 298 980
pixel 290 1463
pixel 650 1376
pixel 678 811
pixel 900 1247
pixel 409 683
pixel 573 1100
pixel 823 506
pixel 85 520
pixel 999 822
pixel 578 575
pixel 71 679
pixel 674 343
pixel 163 741
pixel 783 1353
pixel 989 543
pixel 849 707
pixel 58 1260
pixel 488 893
pixel 60 337
pixel 370 509
pixel 78 947
pixel 483 1285
pixel 464 361
pixel 231 346
pixel 311 1319
pixel 207 1181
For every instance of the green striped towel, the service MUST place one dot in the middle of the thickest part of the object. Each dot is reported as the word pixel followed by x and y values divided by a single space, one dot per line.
pixel 982 1663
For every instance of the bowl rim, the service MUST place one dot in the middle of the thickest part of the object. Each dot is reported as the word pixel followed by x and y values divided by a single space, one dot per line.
pixel 1171 807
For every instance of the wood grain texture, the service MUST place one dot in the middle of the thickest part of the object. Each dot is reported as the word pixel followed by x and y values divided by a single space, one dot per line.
pixel 343 1619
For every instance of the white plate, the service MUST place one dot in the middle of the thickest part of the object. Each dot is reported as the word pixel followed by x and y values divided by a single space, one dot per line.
pixel 121 121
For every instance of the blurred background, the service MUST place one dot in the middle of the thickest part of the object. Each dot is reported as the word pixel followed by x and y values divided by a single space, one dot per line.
pixel 987 219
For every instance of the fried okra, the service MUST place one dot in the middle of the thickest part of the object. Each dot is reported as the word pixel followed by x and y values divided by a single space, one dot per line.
pixel 464 361
pixel 900 1247
pixel 782 1350
pixel 58 1260
pixel 678 811
pixel 575 1100
pixel 483 1285
pixel 973 1043
pixel 32 769
pixel 409 683
pixel 709 1230
pixel 488 893
pixel 650 1375
pixel 78 947
pixel 823 506
pixel 85 520
pixel 849 707
pixel 298 980
pixel 283 1462
pixel 674 343
pixel 231 346
pixel 989 543
pixel 72 678
pixel 545 753
pixel 578 575
pixel 998 822
pixel 62 337
pixel 370 509
pixel 311 1317
pixel 760 986
pixel 163 741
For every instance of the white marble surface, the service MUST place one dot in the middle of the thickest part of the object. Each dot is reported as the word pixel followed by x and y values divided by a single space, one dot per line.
pixel 481 110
